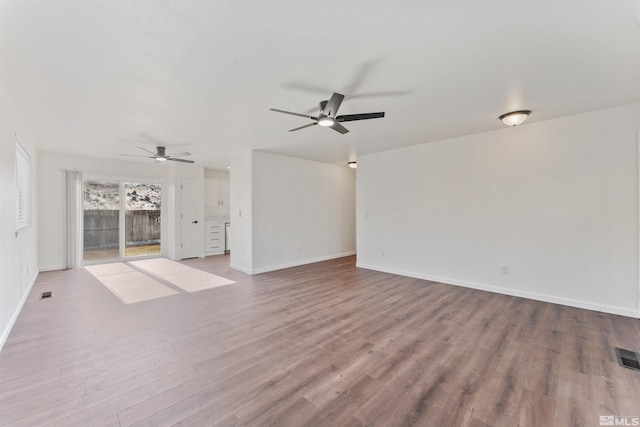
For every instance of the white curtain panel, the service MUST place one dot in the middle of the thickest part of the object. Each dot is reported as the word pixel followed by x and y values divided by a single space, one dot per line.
pixel 74 184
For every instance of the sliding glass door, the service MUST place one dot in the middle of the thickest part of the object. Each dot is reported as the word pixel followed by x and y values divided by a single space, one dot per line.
pixel 142 219
pixel 121 220
pixel 101 220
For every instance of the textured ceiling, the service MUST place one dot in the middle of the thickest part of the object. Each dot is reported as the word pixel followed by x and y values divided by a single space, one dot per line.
pixel 98 78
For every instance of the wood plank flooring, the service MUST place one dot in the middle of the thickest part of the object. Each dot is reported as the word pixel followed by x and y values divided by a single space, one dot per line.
pixel 325 344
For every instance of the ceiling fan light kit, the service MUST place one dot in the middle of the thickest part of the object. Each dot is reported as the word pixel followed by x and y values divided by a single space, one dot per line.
pixel 326 122
pixel 514 118
pixel 328 117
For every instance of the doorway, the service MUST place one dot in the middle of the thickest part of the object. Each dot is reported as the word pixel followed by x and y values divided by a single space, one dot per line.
pixel 192 229
pixel 121 220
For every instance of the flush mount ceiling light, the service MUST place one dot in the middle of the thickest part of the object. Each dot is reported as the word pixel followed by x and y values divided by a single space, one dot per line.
pixel 515 118
pixel 352 165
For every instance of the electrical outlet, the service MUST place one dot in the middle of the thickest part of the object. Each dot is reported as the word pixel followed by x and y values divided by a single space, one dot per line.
pixel 504 269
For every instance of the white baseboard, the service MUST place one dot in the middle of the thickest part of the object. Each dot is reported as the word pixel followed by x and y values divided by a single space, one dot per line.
pixel 292 264
pixel 507 291
pixel 206 254
pixel 53 268
pixel 239 268
pixel 301 262
pixel 16 313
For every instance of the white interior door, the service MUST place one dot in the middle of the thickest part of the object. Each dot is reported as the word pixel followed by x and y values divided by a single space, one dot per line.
pixel 192 230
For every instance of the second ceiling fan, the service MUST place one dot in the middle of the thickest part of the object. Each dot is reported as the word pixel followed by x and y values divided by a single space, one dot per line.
pixel 161 155
pixel 328 115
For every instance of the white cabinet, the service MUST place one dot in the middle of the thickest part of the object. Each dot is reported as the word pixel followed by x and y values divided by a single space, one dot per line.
pixel 213 237
pixel 216 192
pixel 224 193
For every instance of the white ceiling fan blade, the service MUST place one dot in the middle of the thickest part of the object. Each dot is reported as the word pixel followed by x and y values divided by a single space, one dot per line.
pixel 306 116
pixel 186 153
pixel 339 128
pixel 137 155
pixel 331 109
pixel 144 149
pixel 302 127
pixel 180 160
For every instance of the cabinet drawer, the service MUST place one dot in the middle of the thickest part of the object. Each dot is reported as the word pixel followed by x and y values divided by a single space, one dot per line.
pixel 213 237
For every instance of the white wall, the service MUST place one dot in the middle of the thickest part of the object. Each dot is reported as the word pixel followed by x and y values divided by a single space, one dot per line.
pixel 216 174
pixel 241 212
pixel 553 203
pixel 18 253
pixel 302 211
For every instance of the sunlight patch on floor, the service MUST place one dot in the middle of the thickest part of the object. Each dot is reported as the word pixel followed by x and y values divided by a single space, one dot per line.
pixel 186 278
pixel 128 285
pixel 131 285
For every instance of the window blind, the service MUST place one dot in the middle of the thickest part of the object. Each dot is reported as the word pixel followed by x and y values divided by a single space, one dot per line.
pixel 23 187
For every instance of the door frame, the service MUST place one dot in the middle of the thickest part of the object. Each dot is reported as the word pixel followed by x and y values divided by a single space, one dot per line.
pixel 87 176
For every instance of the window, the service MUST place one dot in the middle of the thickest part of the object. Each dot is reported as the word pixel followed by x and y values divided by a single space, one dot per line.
pixel 23 187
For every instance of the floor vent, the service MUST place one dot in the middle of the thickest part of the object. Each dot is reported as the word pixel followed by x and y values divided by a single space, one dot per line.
pixel 628 359
pixel 46 295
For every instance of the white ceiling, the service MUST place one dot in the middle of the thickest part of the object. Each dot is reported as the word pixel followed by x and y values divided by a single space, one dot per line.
pixel 98 77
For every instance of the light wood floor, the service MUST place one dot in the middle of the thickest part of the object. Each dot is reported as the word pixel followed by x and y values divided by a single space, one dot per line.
pixel 326 344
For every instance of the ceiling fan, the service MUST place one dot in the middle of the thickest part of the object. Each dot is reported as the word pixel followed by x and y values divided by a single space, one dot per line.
pixel 161 156
pixel 328 117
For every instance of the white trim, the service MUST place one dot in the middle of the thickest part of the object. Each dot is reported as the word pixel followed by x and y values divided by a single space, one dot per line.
pixel 292 264
pixel 506 291
pixel 122 223
pixel 14 317
pixel 206 254
pixel 242 269
pixel 638 183
pixel 52 268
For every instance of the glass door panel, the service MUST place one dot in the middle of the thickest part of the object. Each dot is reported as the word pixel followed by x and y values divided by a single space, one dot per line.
pixel 101 220
pixel 142 219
